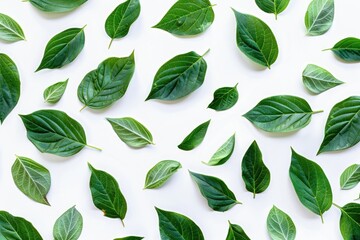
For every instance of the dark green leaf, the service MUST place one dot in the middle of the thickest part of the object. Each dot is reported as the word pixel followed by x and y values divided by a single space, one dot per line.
pixel 195 138
pixel 272 6
pixel 236 233
pixel 129 238
pixel 223 153
pixel 347 49
pixel 57 6
pixel 280 226
pixel 160 173
pixel 224 98
pixel 350 221
pixel 10 30
pixel 68 226
pixel 53 93
pixel 319 17
pixel 350 177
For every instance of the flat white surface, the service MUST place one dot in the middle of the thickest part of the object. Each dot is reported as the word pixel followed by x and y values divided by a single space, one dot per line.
pixel 171 122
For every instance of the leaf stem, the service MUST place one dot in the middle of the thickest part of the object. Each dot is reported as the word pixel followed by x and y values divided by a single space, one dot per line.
pixel 206 52
pixel 83 108
pixel 254 195
pixel 336 205
pixel 110 43
pixel 122 222
pixel 322 218
pixel 237 202
pixel 96 148
pixel 327 49
pixel 315 112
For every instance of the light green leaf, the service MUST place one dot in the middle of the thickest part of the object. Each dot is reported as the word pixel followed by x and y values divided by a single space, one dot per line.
pixel 53 93
pixel 223 154
pixel 236 233
pixel 160 173
pixel 280 226
pixel 272 6
pixel 57 6
pixel 350 177
pixel 68 226
pixel 319 17
pixel 195 138
pixel 224 98
pixel 10 30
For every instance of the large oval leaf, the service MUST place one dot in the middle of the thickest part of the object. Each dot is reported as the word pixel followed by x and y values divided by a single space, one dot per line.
pixel 236 232
pixel 108 83
pixel 10 86
pixel 195 138
pixel 350 221
pixel 32 179
pixel 160 173
pixel 319 17
pixel 68 226
pixel 256 40
pixel 10 30
pixel 187 17
pixel 224 98
pixel 223 153
pixel 272 6
pixel 347 49
pixel 53 93
pixel 311 184
pixel 57 6
pixel 350 177
pixel 280 226
pixel 174 226
pixel 342 126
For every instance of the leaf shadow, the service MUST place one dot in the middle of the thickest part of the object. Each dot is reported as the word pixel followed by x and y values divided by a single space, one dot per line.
pixel 254 66
pixel 277 134
pixel 54 158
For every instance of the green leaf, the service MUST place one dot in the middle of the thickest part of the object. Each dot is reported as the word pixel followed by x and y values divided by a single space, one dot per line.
pixel 10 30
pixel 311 184
pixel 160 173
pixel 350 177
pixel 272 6
pixel 255 39
pixel 131 132
pixel 118 23
pixel 319 17
pixel 108 83
pixel 57 6
pixel 32 179
pixel 282 113
pixel 254 172
pixel 350 221
pixel 223 154
pixel 68 226
pixel 218 195
pixel 188 17
pixel 347 49
pixel 10 86
pixel 53 93
pixel 174 226
pixel 342 126
pixel 224 98
pixel 16 228
pixel 236 233
pixel 106 194
pixel 280 226
pixel 318 80
pixel 195 138
pixel 53 131
pixel 129 238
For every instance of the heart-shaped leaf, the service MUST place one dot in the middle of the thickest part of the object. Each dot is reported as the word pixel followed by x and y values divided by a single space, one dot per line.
pixel 319 17
pixel 350 221
pixel 57 6
pixel 195 138
pixel 53 93
pixel 224 98
pixel 272 6
pixel 68 226
pixel 350 177
pixel 347 49
pixel 160 173
pixel 223 154
pixel 236 232
pixel 280 226
pixel 10 30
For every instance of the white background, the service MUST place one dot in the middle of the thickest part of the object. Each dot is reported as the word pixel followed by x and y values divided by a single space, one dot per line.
pixel 171 122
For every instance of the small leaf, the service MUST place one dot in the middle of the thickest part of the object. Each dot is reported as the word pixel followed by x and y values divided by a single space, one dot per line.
pixel 160 173
pixel 318 80
pixel 32 179
pixel 131 132
pixel 218 195
pixel 224 98
pixel 311 184
pixel 57 6
pixel 272 6
pixel 68 226
pixel 195 138
pixel 347 49
pixel 188 17
pixel 223 154
pixel 255 39
pixel 53 93
pixel 319 17
pixel 63 48
pixel 10 30
pixel 350 177
pixel 280 226
pixel 350 221
pixel 174 226
pixel 236 233
pixel 129 238
pixel 106 194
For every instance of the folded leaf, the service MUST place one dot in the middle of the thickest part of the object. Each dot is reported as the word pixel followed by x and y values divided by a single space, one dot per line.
pixel 224 98
pixel 272 6
pixel 160 173
pixel 223 154
pixel 319 17
pixel 350 177
pixel 236 233
pixel 195 138
pixel 68 226
pixel 57 6
pixel 53 93
pixel 10 30
pixel 280 226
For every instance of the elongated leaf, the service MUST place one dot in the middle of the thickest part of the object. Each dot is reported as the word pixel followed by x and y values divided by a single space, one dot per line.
pixel 10 30
pixel 160 173
pixel 319 17
pixel 272 6
pixel 254 172
pixel 57 6
pixel 350 221
pixel 280 226
pixel 311 184
pixel 174 226
pixel 179 77
pixel 255 39
pixel 63 48
pixel 32 179
pixel 218 195
pixel 350 177
pixel 195 138
pixel 347 49
pixel 187 17
pixel 53 93
pixel 129 238
pixel 68 226
pixel 16 228
pixel 10 86
pixel 106 194
pixel 282 113
pixel 342 126
pixel 223 154
pixel 236 233
pixel 108 83
pixel 131 132
pixel 224 98
pixel 118 23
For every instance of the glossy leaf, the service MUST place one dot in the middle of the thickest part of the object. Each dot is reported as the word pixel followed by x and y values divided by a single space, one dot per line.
pixel 63 48
pixel 32 179
pixel 57 6
pixel 129 238
pixel 224 98
pixel 223 154
pixel 161 173
pixel 236 233
pixel 108 83
pixel 174 226
pixel 255 39
pixel 68 226
pixel 195 138
pixel 347 49
pixel 188 17
pixel 350 221
pixel 342 126
pixel 218 195
pixel 280 226
pixel 272 6
pixel 10 86
pixel 10 30
pixel 319 17
pixel 350 177
pixel 311 184
pixel 53 93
